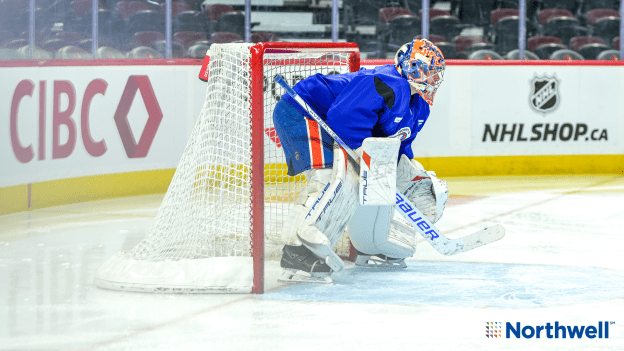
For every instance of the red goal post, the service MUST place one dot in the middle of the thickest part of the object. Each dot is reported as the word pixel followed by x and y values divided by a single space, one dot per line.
pixel 221 217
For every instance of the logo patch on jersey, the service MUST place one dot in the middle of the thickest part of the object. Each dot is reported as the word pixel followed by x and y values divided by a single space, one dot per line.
pixel 402 134
pixel 398 119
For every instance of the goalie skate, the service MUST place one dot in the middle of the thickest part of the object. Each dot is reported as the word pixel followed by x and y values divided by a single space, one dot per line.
pixel 297 276
pixel 302 266
pixel 379 261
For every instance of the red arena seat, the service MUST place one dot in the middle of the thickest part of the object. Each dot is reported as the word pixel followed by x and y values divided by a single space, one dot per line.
pixel 125 9
pixel 224 37
pixel 388 13
pixel 535 42
pixel 187 38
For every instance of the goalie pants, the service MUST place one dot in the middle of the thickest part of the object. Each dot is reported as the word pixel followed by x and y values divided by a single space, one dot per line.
pixel 306 145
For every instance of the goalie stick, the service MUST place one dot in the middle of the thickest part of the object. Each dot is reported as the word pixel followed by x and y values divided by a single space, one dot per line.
pixel 422 225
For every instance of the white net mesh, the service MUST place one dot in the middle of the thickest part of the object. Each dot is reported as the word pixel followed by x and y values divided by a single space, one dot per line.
pixel 206 212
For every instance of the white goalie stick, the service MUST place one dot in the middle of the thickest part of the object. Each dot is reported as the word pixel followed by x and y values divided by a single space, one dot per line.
pixel 432 234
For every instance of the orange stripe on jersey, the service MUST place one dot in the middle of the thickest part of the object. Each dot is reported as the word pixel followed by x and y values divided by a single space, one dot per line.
pixel 316 147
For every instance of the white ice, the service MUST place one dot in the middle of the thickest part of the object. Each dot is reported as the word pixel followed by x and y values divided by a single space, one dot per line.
pixel 561 260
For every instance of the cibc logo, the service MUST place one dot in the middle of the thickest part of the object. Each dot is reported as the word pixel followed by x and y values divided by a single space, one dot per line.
pixel 549 330
pixel 24 151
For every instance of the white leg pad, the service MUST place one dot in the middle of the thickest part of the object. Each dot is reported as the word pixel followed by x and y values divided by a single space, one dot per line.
pixel 377 230
pixel 318 181
pixel 320 221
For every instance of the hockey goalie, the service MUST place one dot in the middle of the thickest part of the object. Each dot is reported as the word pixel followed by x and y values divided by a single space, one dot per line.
pixel 378 113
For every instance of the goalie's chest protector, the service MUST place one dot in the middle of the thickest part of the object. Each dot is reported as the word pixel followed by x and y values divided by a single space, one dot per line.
pixel 368 103
pixel 375 103
pixel 403 115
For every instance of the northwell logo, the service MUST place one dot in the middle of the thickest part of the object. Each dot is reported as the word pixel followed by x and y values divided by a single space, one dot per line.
pixel 548 331
pixel 493 329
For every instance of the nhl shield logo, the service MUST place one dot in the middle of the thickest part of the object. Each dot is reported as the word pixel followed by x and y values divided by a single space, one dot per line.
pixel 545 94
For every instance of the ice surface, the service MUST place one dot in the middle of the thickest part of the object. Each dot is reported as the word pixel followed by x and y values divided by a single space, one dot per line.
pixel 561 260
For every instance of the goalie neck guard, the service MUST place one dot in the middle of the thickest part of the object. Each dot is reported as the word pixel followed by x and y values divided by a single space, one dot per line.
pixel 422 64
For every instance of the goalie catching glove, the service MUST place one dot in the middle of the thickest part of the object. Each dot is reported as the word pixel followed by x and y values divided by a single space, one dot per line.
pixel 422 188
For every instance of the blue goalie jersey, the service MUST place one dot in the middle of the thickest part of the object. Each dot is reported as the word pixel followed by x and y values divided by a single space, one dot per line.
pixel 368 103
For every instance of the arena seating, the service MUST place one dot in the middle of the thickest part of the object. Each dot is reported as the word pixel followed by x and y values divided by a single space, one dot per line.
pixel 566 54
pixel 190 21
pixel 178 50
pixel 571 6
pixel 605 23
pixel 125 9
pixel 71 52
pixel 197 50
pixel 589 5
pixel 515 55
pixel 462 42
pixel 448 50
pixel 263 37
pixel 485 55
pixel 591 51
pixel 505 23
pixel 536 41
pixel 105 52
pixel 397 26
pixel 588 46
pixel 144 52
pixel 225 37
pixel 578 42
pixel 610 54
pixel 460 28
pixel 79 8
pixel 176 8
pixel 147 38
pixel 563 27
pixel 447 26
pixel 544 51
pixel 231 22
pixel 187 38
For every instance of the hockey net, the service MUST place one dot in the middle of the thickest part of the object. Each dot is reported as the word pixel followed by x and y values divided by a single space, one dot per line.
pixel 222 215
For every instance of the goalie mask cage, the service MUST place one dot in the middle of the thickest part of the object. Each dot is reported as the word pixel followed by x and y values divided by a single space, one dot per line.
pixel 223 212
